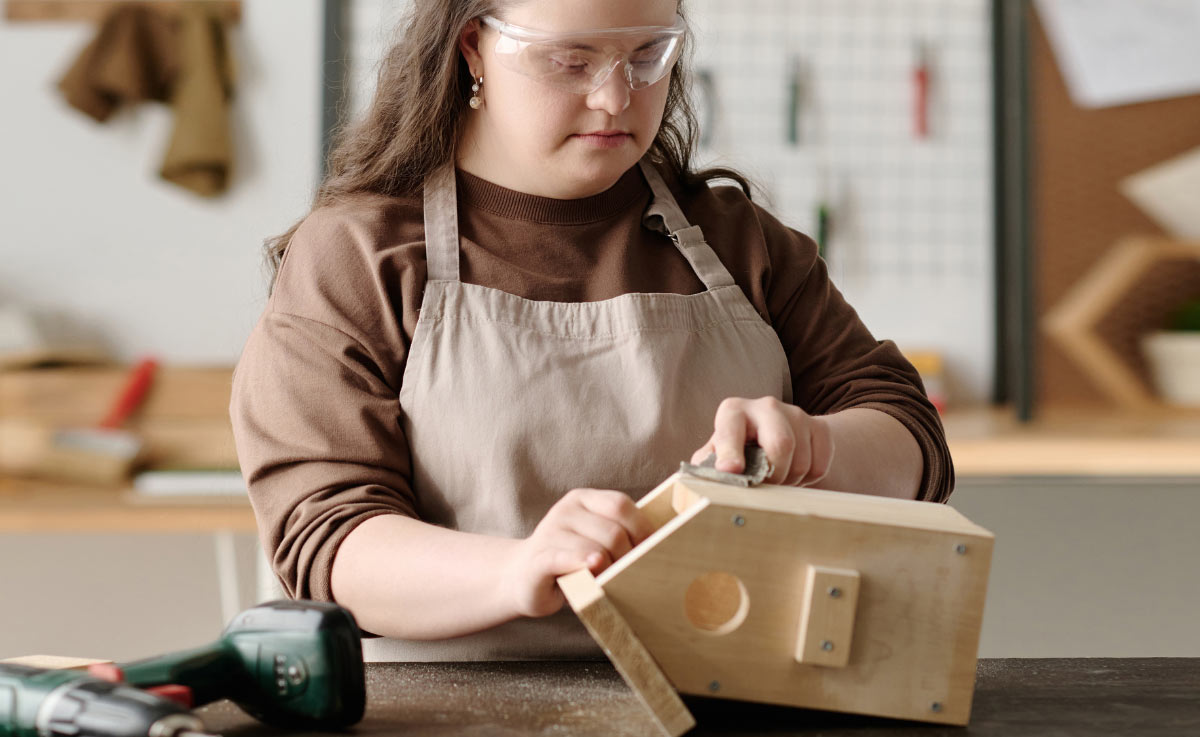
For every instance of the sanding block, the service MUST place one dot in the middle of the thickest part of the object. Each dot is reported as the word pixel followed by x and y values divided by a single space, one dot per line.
pixel 758 468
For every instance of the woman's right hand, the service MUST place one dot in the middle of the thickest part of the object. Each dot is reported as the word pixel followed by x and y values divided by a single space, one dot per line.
pixel 587 528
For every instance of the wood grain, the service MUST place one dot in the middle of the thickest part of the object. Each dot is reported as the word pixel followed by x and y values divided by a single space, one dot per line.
pixel 626 652
pixel 827 610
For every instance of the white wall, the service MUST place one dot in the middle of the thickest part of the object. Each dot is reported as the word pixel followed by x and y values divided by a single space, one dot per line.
pixel 87 226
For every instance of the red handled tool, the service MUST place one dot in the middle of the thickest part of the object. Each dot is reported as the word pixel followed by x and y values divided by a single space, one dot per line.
pixel 131 395
pixel 921 92
pixel 102 454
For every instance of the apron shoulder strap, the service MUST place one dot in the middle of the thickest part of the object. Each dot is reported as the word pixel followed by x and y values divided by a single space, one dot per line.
pixel 665 216
pixel 441 224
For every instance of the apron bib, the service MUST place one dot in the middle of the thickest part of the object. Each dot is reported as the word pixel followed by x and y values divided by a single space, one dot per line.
pixel 509 403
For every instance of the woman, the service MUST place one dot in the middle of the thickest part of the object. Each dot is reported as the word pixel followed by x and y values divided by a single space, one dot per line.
pixel 513 310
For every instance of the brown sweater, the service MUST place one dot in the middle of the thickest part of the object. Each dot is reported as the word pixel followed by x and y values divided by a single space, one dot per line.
pixel 315 405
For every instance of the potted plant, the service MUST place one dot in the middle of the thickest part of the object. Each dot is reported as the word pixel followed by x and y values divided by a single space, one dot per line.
pixel 1174 356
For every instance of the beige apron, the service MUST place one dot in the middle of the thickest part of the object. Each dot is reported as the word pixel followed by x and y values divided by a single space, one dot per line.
pixel 509 403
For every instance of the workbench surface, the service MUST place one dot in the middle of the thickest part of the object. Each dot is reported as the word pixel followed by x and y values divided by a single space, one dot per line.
pixel 1096 697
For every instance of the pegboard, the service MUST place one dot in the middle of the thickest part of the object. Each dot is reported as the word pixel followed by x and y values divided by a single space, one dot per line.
pixel 909 217
pixel 900 205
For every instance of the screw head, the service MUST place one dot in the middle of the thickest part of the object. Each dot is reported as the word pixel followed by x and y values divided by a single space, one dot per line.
pixel 826 645
pixel 739 520
pixel 936 706
pixel 714 686
pixel 960 549
pixel 835 592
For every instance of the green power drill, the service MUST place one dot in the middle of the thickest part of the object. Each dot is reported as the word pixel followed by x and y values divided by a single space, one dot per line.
pixel 36 702
pixel 285 663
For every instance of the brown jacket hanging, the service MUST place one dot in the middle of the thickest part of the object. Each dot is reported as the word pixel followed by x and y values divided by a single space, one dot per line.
pixel 132 59
pixel 141 54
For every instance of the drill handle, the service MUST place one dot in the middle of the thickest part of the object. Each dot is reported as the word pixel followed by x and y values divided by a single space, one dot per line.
pixel 212 672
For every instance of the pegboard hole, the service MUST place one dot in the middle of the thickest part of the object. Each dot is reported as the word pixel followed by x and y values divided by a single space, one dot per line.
pixel 716 602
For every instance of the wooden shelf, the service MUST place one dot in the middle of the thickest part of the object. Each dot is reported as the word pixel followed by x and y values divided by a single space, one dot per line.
pixel 96 10
pixel 1070 441
pixel 184 420
pixel 28 506
pixel 1100 321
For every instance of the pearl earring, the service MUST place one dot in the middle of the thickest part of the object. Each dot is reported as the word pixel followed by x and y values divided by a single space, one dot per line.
pixel 476 101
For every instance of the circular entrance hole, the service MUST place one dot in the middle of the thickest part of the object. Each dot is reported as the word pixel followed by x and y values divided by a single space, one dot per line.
pixel 716 602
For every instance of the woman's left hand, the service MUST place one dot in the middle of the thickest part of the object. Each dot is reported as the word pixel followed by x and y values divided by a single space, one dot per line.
pixel 799 446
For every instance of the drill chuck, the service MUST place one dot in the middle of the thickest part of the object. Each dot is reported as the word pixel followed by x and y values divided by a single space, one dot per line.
pixel 51 703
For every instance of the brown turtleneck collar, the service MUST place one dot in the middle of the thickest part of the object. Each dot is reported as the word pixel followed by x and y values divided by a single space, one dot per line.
pixel 480 193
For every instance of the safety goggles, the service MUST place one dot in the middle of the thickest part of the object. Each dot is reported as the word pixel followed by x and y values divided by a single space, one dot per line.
pixel 582 61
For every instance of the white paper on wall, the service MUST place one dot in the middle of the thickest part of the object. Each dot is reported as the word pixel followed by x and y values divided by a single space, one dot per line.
pixel 1169 193
pixel 1116 52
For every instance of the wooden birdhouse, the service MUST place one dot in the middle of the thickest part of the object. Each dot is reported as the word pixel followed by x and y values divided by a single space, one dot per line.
pixel 800 597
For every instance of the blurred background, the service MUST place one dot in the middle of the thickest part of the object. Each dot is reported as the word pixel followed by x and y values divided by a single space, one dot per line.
pixel 1009 189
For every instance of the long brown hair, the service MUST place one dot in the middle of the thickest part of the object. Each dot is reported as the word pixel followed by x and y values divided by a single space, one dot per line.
pixel 420 103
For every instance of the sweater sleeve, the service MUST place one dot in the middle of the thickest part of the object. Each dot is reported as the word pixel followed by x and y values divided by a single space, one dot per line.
pixel 835 362
pixel 315 408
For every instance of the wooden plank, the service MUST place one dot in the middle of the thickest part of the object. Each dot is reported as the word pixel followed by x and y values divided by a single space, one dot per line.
pixel 183 422
pixel 188 444
pixel 829 604
pixel 865 508
pixel 94 11
pixel 208 445
pixel 626 652
pixel 83 395
pixel 656 504
pixel 42 452
pixel 54 662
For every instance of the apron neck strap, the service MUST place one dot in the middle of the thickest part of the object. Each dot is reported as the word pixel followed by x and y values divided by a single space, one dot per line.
pixel 441 224
pixel 665 216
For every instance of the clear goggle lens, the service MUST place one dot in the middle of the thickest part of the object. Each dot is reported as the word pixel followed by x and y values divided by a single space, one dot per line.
pixel 582 62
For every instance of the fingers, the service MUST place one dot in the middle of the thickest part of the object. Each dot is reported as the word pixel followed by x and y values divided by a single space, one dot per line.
pixel 731 428
pixel 777 438
pixel 704 452
pixel 590 528
pixel 619 508
pixel 763 420
pixel 587 528
pixel 799 446
pixel 608 534
pixel 572 554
